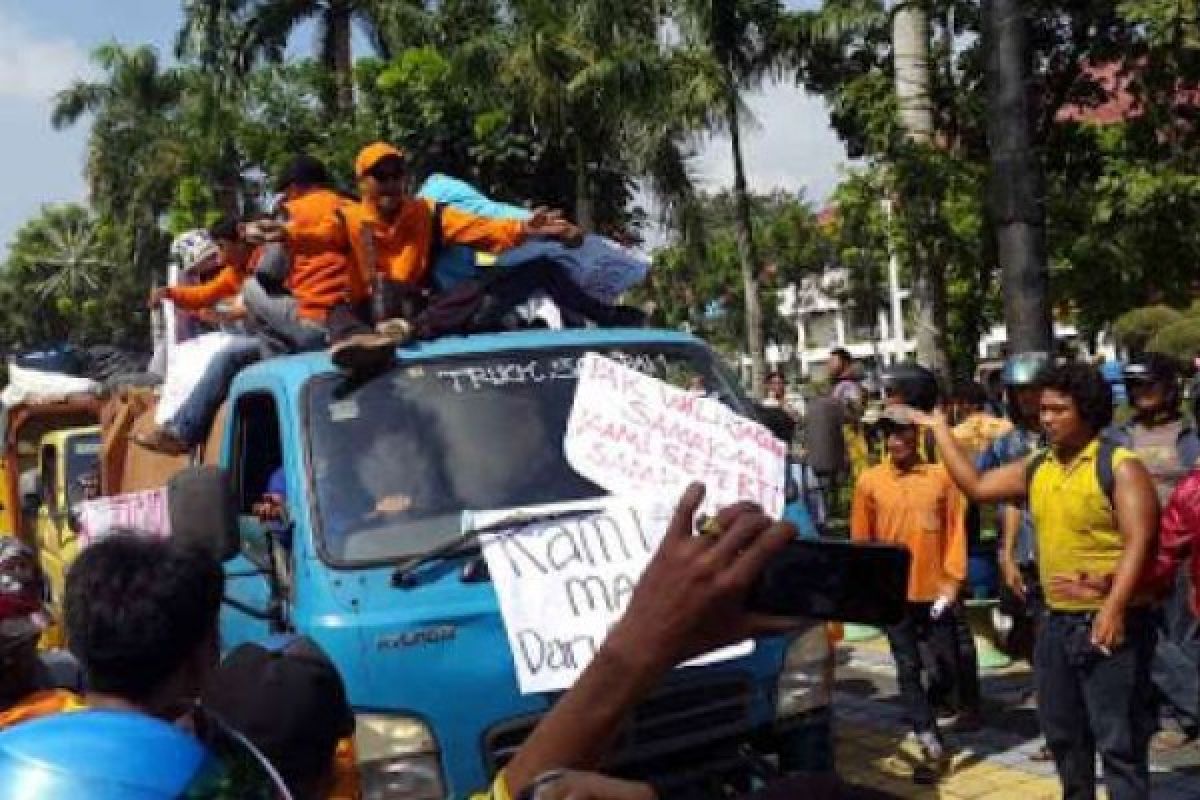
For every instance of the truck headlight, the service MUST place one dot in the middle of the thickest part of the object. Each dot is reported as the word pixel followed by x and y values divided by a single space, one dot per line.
pixel 398 757
pixel 806 681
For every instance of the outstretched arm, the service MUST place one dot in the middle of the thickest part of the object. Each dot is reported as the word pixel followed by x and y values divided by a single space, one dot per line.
pixel 1004 484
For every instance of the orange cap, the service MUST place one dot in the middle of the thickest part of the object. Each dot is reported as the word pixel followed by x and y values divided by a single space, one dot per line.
pixel 372 154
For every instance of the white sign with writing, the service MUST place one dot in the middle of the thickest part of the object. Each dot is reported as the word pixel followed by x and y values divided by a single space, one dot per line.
pixel 563 584
pixel 144 511
pixel 635 435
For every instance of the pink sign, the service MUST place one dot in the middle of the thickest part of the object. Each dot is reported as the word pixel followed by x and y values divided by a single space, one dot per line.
pixel 144 512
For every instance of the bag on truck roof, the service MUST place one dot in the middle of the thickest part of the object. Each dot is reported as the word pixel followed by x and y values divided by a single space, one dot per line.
pixel 63 360
pixel 35 386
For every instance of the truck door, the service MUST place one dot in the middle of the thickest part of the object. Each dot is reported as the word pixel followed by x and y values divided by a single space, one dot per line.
pixel 256 464
pixel 51 523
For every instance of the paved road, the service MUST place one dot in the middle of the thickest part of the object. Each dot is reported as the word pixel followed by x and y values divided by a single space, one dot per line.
pixel 994 764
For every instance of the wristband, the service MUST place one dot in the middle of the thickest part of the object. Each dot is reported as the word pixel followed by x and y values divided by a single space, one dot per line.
pixel 540 782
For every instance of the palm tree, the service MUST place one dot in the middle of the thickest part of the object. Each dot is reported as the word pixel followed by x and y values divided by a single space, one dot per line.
pixel 130 107
pixel 273 21
pixel 590 75
pixel 58 273
pixel 135 150
pixel 67 255
pixel 840 21
pixel 735 40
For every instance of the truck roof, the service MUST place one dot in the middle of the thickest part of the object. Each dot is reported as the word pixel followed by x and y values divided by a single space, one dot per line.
pixel 297 369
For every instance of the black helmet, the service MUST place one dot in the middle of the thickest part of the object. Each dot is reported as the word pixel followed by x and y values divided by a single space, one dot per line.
pixel 916 386
pixel 1022 369
pixel 1154 368
pixel 1151 368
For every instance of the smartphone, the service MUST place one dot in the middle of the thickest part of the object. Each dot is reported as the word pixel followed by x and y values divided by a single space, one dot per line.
pixel 835 580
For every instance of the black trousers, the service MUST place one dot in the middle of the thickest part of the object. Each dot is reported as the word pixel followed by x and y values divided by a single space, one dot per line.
pixel 954 672
pixel 906 639
pixel 1089 702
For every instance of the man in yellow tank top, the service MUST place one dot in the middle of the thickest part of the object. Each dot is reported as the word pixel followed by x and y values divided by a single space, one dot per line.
pixel 1092 659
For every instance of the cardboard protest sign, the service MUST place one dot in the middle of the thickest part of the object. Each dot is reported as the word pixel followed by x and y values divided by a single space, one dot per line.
pixel 145 512
pixel 563 584
pixel 635 435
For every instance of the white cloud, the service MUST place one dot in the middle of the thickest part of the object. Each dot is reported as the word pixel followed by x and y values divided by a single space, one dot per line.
pixel 34 67
pixel 39 165
pixel 792 147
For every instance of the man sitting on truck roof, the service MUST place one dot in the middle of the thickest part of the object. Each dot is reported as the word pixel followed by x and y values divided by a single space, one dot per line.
pixel 390 237
pixel 199 370
pixel 237 260
pixel 308 300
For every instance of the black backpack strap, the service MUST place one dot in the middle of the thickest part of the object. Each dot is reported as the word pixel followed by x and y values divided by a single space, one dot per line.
pixel 437 239
pixel 1105 473
pixel 1032 466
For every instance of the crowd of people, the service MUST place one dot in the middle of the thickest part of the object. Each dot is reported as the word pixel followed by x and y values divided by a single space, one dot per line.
pixel 363 274
pixel 144 704
pixel 1098 524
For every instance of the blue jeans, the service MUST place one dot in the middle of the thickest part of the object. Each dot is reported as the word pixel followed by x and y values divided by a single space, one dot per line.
pixel 1176 668
pixel 276 320
pixel 191 423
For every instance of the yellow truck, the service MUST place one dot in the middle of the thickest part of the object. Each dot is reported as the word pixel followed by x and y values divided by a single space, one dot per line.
pixel 65 459
pixel 44 449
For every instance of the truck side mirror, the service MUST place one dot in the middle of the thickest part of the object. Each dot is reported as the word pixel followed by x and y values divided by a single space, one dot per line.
pixel 203 511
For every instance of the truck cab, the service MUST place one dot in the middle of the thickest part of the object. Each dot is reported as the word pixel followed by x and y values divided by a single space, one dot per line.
pixel 65 458
pixel 375 471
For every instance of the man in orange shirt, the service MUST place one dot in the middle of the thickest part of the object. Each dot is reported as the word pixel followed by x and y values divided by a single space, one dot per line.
pixel 391 238
pixel 302 301
pixel 913 503
pixel 237 261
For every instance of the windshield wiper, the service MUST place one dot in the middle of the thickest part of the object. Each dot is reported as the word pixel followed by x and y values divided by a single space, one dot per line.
pixel 468 539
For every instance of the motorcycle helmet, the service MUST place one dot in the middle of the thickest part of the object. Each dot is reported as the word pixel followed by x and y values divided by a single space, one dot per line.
pixel 1154 368
pixel 104 755
pixel 913 384
pixel 1022 369
pixel 23 614
pixel 193 248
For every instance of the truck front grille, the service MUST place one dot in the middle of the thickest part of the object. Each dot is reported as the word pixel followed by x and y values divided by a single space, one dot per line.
pixel 685 731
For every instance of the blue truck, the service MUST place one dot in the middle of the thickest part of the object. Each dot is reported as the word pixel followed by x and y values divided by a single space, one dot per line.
pixel 381 474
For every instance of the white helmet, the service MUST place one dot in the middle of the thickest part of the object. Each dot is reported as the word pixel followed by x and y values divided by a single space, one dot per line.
pixel 193 248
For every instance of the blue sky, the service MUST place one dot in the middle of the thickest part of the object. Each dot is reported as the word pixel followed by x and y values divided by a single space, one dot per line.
pixel 44 45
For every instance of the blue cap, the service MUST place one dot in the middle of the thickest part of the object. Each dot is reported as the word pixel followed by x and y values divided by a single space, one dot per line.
pixel 101 755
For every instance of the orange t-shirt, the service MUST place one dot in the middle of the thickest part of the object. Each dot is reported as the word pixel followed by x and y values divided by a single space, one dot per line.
pixel 401 247
pixel 320 278
pixel 227 284
pixel 922 510
pixel 41 703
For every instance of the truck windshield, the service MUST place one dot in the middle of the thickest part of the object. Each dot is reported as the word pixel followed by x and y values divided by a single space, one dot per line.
pixel 397 461
pixel 83 459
